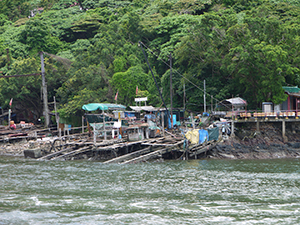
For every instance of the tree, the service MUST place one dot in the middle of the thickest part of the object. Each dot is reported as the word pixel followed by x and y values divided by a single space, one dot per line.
pixel 125 83
pixel 36 35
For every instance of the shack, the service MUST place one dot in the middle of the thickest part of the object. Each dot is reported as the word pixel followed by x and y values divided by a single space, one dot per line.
pixel 105 124
pixel 137 132
pixel 292 103
pixel 233 106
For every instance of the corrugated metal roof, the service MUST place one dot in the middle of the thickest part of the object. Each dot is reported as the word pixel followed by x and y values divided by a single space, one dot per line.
pixel 237 101
pixel 144 108
pixel 102 106
pixel 291 89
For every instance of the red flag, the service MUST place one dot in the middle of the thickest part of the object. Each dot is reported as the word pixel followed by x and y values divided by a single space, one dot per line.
pixel 10 101
pixel 136 90
pixel 116 97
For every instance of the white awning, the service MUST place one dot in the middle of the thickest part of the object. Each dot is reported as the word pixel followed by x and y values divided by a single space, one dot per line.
pixel 143 108
pixel 237 101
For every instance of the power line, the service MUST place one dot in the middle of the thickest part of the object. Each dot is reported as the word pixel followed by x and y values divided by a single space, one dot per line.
pixel 178 72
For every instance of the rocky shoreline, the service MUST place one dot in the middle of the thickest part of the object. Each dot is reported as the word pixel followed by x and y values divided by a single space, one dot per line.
pixel 235 149
pixel 268 143
pixel 17 148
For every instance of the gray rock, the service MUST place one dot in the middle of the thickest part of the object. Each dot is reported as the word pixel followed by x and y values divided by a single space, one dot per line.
pixel 33 153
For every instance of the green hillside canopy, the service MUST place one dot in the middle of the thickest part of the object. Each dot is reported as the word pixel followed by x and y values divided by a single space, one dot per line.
pixel 103 106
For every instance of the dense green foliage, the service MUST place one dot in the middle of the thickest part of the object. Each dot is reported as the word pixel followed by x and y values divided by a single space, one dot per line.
pixel 240 48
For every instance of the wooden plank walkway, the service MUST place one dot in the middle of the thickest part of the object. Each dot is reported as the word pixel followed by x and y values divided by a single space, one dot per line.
pixel 148 156
pixel 72 153
pixel 201 148
pixel 128 156
pixel 157 153
pixel 55 154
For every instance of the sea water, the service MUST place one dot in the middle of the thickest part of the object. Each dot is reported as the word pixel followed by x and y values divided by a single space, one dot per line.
pixel 170 192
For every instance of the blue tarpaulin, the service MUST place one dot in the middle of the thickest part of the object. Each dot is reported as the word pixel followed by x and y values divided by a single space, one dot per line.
pixel 203 136
pixel 174 121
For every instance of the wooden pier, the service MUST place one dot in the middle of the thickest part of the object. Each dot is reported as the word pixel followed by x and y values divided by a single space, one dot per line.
pixel 199 149
pixel 118 152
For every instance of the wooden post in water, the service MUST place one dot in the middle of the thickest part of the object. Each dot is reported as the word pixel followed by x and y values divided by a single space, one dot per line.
pixel 257 125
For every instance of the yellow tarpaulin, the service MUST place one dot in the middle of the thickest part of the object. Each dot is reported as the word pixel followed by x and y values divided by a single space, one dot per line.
pixel 193 136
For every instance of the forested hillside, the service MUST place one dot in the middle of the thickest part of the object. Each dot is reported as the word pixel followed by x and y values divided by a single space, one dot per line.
pixel 240 48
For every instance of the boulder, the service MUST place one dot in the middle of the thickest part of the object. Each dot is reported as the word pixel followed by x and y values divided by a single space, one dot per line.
pixel 33 153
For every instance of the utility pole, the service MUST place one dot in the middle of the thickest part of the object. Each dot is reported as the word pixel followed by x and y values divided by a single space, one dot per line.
pixel 184 95
pixel 171 92
pixel 204 97
pixel 56 114
pixel 44 90
pixel 211 107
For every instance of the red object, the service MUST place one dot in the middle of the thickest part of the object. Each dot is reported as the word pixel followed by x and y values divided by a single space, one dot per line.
pixel 10 101
pixel 13 126
pixel 116 97
pixel 136 90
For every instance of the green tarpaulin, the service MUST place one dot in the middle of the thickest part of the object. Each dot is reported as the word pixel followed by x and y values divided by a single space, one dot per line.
pixel 103 106
pixel 213 133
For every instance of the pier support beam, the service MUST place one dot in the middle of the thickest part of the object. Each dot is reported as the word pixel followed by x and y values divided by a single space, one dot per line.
pixel 257 125
pixel 232 128
pixel 283 128
pixel 293 128
pixel 285 139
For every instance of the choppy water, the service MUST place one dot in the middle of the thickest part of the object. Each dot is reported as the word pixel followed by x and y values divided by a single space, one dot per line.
pixel 172 192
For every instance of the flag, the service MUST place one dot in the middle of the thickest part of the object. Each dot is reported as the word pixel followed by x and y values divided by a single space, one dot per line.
pixel 10 101
pixel 116 97
pixel 136 90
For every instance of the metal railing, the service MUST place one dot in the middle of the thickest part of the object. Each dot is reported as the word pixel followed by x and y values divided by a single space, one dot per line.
pixel 244 114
